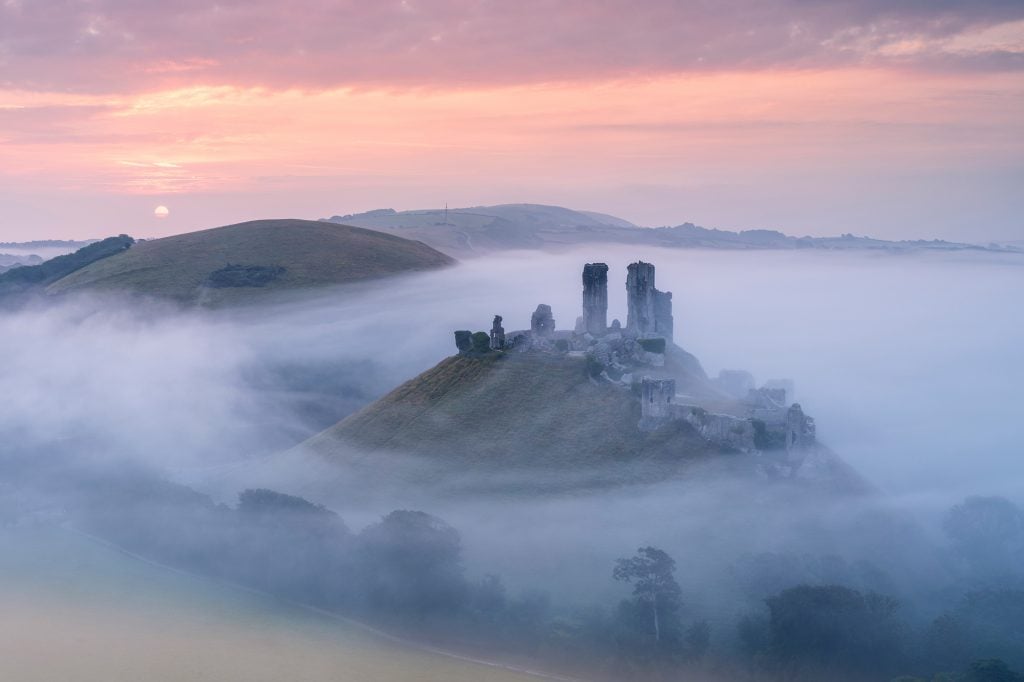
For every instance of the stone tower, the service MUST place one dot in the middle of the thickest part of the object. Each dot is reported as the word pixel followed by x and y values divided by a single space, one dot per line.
pixel 497 334
pixel 595 298
pixel 649 311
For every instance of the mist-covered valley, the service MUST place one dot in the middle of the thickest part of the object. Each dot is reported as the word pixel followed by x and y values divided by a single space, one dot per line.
pixel 909 364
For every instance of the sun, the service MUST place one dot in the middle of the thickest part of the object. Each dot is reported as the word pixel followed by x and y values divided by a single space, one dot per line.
pixel 161 212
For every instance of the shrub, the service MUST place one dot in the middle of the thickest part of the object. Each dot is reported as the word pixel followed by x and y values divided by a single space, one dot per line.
pixel 481 342
pixel 656 345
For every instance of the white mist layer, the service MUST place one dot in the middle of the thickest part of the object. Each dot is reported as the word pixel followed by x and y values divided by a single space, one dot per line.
pixel 910 363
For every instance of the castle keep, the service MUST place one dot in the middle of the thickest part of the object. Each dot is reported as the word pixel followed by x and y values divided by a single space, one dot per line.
pixel 753 419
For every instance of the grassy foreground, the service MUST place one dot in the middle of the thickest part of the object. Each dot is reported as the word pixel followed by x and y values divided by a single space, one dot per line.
pixel 74 610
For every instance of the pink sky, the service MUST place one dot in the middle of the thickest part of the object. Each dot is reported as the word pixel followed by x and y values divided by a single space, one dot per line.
pixel 808 116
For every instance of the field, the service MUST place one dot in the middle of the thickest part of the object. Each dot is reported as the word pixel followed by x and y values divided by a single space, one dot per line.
pixel 76 610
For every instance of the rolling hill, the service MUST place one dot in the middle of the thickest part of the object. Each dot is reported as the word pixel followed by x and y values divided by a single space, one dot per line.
pixel 511 422
pixel 483 229
pixel 509 413
pixel 239 263
pixel 479 230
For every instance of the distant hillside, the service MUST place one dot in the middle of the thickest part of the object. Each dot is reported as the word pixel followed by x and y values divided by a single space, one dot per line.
pixel 483 229
pixel 236 263
pixel 29 278
pixel 467 231
pixel 69 244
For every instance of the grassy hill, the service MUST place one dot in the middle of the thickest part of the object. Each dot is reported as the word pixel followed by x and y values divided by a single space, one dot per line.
pixel 514 411
pixel 236 263
pixel 483 229
pixel 479 230
pixel 531 422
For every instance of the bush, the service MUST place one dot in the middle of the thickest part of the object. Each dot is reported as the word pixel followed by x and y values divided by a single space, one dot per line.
pixel 244 276
pixel 656 345
pixel 481 342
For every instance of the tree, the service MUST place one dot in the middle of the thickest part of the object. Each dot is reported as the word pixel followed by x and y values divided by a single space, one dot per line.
pixel 833 626
pixel 413 562
pixel 986 622
pixel 988 533
pixel 481 342
pixel 991 670
pixel 287 543
pixel 698 639
pixel 655 589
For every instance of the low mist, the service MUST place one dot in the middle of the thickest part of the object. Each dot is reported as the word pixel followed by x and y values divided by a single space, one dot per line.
pixel 909 363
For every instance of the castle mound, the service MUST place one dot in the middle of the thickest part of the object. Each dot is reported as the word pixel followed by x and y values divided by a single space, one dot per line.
pixel 237 263
pixel 512 411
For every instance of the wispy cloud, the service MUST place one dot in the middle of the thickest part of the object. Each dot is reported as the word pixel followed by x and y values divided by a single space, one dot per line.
pixel 118 45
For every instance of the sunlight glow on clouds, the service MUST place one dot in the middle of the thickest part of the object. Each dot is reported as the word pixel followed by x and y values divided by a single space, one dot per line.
pixel 786 114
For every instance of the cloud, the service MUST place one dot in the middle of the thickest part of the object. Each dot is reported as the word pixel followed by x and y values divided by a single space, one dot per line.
pixel 114 45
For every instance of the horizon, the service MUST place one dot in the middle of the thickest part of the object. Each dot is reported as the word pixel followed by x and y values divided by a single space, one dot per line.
pixel 331 219
pixel 817 118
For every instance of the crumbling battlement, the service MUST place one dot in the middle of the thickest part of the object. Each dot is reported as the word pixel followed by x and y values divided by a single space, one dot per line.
pixel 641 342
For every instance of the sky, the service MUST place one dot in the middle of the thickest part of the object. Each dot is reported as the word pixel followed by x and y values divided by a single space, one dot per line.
pixel 891 118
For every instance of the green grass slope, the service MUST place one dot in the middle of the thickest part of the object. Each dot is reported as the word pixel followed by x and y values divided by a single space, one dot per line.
pixel 512 411
pixel 534 422
pixel 237 263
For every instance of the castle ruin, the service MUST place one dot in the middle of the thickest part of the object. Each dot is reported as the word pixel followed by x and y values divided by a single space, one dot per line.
pixel 759 419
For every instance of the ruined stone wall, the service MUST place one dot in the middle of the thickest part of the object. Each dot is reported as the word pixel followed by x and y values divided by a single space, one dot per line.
pixel 727 431
pixel 656 401
pixel 542 322
pixel 800 429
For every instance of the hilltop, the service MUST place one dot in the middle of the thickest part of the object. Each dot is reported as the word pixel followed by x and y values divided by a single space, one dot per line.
pixel 236 263
pixel 479 230
pixel 510 411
